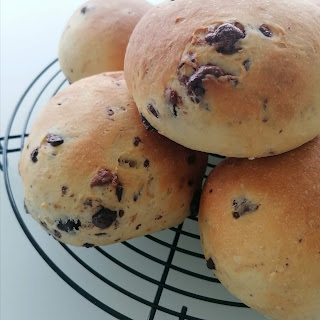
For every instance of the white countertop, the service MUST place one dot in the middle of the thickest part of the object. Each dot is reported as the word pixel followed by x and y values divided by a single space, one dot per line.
pixel 30 290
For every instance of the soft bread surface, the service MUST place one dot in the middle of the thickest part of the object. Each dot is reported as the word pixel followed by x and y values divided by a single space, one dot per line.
pixel 260 229
pixel 96 36
pixel 256 96
pixel 93 175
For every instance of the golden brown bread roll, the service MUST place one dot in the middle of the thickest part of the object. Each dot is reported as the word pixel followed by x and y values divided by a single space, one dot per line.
pixel 96 36
pixel 93 175
pixel 238 78
pixel 260 230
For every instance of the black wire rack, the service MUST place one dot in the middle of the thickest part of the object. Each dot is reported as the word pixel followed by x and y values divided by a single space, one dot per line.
pixel 158 276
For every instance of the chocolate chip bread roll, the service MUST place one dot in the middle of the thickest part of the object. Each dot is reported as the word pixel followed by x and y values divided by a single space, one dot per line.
pixel 96 36
pixel 260 231
pixel 237 78
pixel 93 175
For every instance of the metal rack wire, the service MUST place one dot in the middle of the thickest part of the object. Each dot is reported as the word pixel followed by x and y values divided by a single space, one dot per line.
pixel 167 263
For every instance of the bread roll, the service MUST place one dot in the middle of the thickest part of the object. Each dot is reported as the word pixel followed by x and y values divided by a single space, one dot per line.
pixel 93 175
pixel 239 78
pixel 96 36
pixel 260 230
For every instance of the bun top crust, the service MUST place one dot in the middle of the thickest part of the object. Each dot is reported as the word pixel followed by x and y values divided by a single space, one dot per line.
pixel 260 223
pixel 239 69
pixel 96 36
pixel 89 143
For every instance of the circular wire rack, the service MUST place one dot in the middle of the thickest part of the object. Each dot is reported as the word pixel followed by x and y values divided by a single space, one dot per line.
pixel 159 276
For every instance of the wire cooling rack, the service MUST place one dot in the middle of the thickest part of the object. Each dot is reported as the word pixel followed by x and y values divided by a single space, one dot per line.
pixel 156 277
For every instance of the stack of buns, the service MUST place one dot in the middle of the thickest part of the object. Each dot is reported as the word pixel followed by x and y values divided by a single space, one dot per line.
pixel 238 78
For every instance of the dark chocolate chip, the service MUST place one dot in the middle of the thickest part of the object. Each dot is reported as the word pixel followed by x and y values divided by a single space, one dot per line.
pixel 225 37
pixel 103 177
pixel 153 110
pixel 171 96
pixel 68 225
pixel 121 213
pixel 84 10
pixel 104 218
pixel 265 104
pixel 242 206
pixel 246 64
pixel 119 191
pixel 192 159
pixel 195 203
pixel 138 226
pixel 25 208
pixel 34 155
pixel 147 124
pixel 54 140
pixel 64 189
pixel 44 224
pixel 265 31
pixel 136 141
pixel 100 234
pixel 88 202
pixel 146 163
pixel 190 183
pixel 210 264
pixel 57 234
pixel 137 195
pixel 88 245
pixel 110 112
pixel 194 84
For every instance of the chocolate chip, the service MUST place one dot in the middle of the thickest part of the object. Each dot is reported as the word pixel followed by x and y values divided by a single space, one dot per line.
pixel 158 217
pixel 100 234
pixel 88 245
pixel 121 213
pixel 119 191
pixel 34 155
pixel 138 226
pixel 103 177
pixel 104 218
pixel 25 208
pixel 110 112
pixel 225 37
pixel 265 104
pixel 246 64
pixel 88 202
pixel 57 234
pixel 210 264
pixel 64 189
pixel 44 224
pixel 195 203
pixel 265 30
pixel 84 10
pixel 137 195
pixel 192 159
pixel 54 140
pixel 242 206
pixel 146 163
pixel 136 141
pixel 153 111
pixel 171 96
pixel 69 225
pixel 147 124
pixel 194 84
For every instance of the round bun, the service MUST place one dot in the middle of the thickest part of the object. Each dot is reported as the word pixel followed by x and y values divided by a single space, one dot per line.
pixel 96 37
pixel 93 175
pixel 237 78
pixel 260 230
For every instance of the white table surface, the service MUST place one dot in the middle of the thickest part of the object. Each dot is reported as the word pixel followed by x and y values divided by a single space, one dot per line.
pixel 30 290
